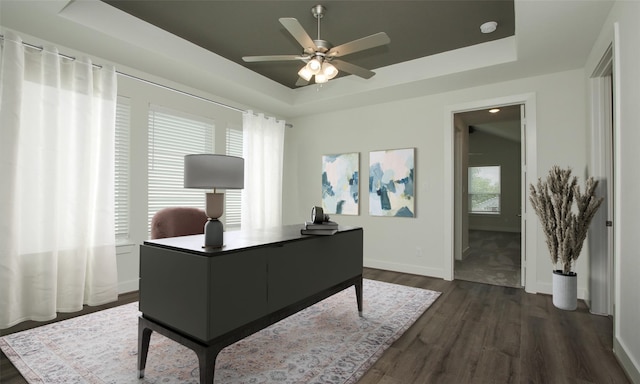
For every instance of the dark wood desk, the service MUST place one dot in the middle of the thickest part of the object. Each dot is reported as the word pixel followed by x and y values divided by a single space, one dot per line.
pixel 208 299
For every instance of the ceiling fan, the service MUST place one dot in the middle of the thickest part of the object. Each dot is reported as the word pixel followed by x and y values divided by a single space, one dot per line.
pixel 319 55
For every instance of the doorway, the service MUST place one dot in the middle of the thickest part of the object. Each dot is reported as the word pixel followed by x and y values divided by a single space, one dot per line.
pixel 489 181
pixel 601 231
pixel 452 198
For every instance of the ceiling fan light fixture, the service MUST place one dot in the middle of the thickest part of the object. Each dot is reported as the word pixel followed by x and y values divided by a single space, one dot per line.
pixel 314 65
pixel 305 73
pixel 329 70
pixel 318 53
pixel 321 78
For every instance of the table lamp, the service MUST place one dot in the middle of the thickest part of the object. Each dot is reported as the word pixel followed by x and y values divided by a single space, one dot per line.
pixel 209 171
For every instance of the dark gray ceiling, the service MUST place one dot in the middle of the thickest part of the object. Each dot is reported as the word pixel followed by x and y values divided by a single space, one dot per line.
pixel 233 29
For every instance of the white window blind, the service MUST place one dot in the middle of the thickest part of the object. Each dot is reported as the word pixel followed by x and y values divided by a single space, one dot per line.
pixel 172 135
pixel 123 123
pixel 233 197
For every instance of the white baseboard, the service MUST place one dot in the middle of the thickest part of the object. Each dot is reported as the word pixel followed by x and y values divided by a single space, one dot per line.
pixel 630 367
pixel 404 268
pixel 128 286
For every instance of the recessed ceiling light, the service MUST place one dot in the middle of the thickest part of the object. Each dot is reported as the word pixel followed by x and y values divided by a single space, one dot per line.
pixel 494 110
pixel 488 27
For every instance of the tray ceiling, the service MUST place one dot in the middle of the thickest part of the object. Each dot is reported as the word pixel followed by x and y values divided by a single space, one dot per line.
pixel 233 29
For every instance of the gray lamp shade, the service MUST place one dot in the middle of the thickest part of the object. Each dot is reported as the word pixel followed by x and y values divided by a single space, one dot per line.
pixel 208 171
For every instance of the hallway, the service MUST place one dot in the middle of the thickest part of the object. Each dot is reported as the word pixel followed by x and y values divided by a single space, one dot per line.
pixel 493 258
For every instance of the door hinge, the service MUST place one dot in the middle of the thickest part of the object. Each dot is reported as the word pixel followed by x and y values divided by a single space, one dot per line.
pixel 609 223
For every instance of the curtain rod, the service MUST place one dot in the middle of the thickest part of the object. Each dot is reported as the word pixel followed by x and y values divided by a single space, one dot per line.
pixel 288 125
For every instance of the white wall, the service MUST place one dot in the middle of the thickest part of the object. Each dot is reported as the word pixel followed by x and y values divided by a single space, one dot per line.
pixel 622 28
pixel 395 243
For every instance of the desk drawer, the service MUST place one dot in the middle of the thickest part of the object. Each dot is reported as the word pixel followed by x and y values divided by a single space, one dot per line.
pixel 303 268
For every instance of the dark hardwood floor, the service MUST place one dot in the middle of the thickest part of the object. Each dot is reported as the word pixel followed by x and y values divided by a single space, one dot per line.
pixel 480 333
pixel 473 333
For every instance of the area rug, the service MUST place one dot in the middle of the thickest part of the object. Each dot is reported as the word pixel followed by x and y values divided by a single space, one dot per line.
pixel 325 343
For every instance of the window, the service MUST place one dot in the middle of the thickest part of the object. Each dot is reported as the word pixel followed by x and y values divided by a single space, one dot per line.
pixel 123 117
pixel 484 189
pixel 172 135
pixel 233 197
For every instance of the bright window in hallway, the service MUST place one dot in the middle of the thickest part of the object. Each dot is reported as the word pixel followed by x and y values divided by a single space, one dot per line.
pixel 484 189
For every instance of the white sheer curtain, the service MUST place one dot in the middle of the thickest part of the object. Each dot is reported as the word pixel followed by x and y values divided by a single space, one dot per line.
pixel 57 242
pixel 263 148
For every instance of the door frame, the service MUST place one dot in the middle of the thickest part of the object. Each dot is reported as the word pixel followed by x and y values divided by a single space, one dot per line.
pixel 529 151
pixel 601 237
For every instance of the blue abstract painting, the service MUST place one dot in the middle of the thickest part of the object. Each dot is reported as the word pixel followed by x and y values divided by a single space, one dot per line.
pixel 391 183
pixel 341 183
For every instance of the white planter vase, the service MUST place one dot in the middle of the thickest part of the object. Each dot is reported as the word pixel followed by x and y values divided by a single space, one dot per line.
pixel 565 291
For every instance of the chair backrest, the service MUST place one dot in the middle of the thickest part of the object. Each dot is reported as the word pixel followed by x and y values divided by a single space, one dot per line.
pixel 177 221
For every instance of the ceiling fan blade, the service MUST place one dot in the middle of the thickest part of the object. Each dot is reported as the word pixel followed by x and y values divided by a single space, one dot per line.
pixel 354 46
pixel 251 59
pixel 295 29
pixel 301 82
pixel 353 69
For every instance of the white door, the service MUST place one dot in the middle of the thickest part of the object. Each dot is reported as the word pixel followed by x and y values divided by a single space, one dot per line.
pixel 600 237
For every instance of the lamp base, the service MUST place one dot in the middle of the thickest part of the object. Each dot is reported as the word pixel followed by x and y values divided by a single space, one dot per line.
pixel 213 234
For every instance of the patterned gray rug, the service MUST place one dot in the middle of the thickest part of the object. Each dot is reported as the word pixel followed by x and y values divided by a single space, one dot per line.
pixel 494 258
pixel 325 343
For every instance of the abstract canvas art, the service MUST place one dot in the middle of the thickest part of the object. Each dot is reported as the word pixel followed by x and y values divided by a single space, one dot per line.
pixel 341 183
pixel 391 183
